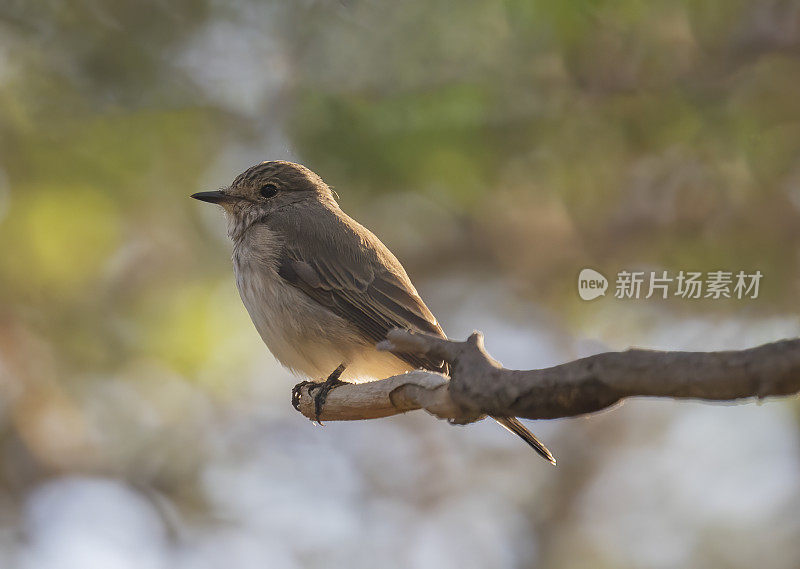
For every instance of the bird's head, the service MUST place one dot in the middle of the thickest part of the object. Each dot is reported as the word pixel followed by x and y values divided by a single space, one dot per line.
pixel 264 189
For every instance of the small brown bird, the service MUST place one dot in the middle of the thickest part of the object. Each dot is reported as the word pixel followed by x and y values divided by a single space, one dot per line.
pixel 321 289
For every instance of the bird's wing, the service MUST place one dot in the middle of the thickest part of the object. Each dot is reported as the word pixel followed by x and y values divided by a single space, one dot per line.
pixel 357 277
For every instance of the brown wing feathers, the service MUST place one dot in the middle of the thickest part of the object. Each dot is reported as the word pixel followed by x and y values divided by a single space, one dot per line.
pixel 374 307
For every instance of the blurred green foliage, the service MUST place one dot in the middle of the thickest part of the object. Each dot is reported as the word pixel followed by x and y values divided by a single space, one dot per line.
pixel 668 131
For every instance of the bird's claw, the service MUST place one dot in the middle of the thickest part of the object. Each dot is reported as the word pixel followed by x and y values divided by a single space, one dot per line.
pixel 297 393
pixel 322 390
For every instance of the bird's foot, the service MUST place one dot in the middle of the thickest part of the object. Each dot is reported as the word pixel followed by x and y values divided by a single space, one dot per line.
pixel 322 390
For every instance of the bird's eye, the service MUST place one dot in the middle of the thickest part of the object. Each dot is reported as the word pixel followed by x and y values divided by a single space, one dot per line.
pixel 268 190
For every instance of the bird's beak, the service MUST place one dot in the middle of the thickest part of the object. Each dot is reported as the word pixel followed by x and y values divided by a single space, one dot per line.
pixel 216 196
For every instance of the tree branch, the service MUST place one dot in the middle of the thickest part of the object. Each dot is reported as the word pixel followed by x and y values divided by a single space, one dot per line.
pixel 480 386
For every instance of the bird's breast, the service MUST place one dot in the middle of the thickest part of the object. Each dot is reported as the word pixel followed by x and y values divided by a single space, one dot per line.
pixel 303 335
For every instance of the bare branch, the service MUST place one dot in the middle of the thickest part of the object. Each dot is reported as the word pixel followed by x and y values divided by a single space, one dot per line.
pixel 390 396
pixel 479 385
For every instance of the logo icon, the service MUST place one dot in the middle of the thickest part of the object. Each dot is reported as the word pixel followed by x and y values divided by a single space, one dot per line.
pixel 591 284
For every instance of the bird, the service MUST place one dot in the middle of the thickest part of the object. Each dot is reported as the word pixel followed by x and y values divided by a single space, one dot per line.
pixel 321 289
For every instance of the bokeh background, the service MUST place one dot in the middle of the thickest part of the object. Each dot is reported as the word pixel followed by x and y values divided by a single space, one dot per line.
pixel 498 147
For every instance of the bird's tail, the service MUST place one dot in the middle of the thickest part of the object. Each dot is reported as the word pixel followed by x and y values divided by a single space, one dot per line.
pixel 515 426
